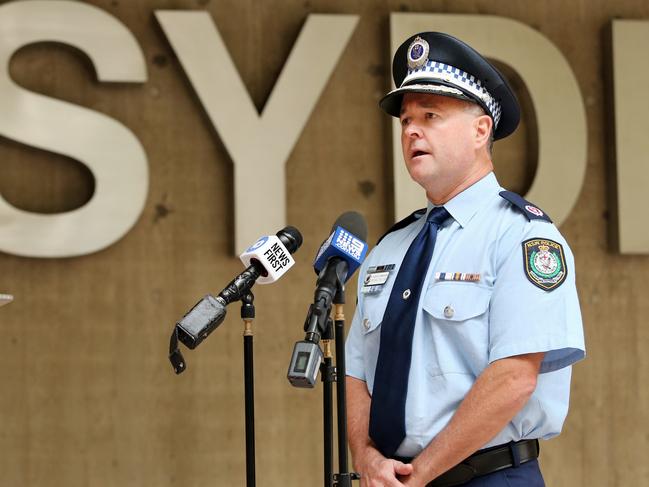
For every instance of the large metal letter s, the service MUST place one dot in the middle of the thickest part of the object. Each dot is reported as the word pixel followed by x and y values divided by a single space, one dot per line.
pixel 111 151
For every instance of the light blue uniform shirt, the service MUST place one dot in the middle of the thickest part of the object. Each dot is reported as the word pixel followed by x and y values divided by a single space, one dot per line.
pixel 461 326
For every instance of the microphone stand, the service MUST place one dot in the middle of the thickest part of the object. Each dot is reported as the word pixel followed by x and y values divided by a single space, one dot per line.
pixel 248 315
pixel 344 477
pixel 329 375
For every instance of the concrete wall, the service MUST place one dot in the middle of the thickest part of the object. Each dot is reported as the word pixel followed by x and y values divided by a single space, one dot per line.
pixel 88 395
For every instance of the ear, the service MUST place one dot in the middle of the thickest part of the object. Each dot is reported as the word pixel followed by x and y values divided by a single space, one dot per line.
pixel 482 125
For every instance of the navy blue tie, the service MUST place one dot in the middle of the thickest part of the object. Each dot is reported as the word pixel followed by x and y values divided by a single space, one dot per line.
pixel 388 409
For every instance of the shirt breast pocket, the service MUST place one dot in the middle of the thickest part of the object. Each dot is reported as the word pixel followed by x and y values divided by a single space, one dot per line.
pixel 455 302
pixel 373 310
pixel 458 313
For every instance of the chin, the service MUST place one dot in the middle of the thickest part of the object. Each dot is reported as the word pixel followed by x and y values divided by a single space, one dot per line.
pixel 421 172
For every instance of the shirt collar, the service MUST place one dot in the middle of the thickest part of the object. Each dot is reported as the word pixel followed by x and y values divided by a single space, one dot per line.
pixel 465 205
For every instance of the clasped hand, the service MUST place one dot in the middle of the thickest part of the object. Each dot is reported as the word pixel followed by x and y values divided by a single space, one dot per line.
pixel 385 472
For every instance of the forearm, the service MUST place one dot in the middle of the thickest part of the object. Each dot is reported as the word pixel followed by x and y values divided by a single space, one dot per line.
pixel 358 419
pixel 374 468
pixel 497 396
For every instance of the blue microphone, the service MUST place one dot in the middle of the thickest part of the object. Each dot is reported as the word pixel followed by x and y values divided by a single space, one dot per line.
pixel 338 258
pixel 345 242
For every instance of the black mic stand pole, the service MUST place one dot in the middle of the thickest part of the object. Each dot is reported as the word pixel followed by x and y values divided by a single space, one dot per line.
pixel 319 327
pixel 328 375
pixel 344 477
pixel 248 315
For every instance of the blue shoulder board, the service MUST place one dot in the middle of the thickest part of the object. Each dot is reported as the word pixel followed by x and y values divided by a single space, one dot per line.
pixel 531 211
pixel 403 223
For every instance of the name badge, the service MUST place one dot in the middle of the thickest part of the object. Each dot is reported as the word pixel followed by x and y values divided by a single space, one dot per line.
pixel 375 278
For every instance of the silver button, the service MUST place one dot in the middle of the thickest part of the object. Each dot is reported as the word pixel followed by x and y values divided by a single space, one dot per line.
pixel 449 312
pixel 406 294
pixel 366 323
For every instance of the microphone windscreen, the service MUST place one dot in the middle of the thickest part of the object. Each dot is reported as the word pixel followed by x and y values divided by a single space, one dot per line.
pixel 353 222
pixel 291 238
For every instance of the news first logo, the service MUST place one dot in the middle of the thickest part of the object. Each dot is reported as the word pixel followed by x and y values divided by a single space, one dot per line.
pixel 257 244
pixel 272 255
pixel 277 257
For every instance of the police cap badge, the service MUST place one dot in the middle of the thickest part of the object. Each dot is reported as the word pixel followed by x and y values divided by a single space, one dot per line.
pixel 437 63
pixel 417 53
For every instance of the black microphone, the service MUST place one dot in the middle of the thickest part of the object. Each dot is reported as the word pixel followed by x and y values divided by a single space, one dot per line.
pixel 337 259
pixel 268 259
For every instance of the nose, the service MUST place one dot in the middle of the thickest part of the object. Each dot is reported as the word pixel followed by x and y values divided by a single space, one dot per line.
pixel 412 130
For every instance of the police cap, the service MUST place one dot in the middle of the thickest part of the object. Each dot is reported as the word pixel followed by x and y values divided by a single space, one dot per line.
pixel 437 63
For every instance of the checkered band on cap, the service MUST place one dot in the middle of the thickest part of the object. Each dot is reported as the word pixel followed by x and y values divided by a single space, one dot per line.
pixel 434 70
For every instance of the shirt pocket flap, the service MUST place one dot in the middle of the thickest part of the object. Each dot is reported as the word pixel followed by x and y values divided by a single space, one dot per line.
pixel 456 301
pixel 373 310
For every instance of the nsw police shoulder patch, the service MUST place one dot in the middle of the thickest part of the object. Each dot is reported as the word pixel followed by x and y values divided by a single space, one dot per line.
pixel 544 263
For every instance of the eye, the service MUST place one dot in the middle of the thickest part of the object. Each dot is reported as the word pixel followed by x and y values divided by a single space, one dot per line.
pixel 431 115
pixel 405 121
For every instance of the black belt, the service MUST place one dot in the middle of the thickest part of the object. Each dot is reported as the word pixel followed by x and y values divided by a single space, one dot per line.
pixel 487 461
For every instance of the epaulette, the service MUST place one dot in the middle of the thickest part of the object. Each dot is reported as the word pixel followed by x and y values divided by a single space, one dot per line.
pixel 403 223
pixel 530 211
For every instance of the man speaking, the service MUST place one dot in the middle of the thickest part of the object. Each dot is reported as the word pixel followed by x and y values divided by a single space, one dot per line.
pixel 467 322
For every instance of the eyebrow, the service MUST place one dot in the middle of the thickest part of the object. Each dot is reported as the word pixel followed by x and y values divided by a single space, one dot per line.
pixel 422 105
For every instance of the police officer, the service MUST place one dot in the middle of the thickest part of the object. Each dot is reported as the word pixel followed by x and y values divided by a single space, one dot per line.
pixel 467 323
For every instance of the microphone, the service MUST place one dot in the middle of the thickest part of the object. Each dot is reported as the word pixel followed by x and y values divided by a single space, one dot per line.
pixel 336 261
pixel 267 260
pixel 346 241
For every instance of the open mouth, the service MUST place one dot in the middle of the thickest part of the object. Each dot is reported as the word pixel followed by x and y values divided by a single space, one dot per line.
pixel 418 153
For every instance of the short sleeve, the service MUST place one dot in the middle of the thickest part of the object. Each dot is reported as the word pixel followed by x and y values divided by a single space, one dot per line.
pixel 534 307
pixel 354 363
